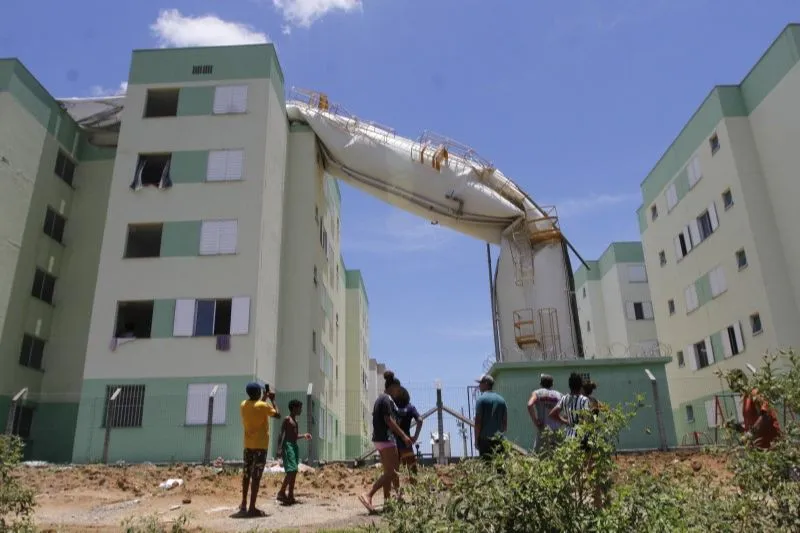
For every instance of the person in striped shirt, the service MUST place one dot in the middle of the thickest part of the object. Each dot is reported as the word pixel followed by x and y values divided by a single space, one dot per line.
pixel 571 406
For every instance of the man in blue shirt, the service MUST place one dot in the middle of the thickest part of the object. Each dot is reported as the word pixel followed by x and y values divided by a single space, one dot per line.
pixel 491 418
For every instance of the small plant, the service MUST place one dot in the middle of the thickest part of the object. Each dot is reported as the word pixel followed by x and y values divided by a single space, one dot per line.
pixel 152 524
pixel 17 502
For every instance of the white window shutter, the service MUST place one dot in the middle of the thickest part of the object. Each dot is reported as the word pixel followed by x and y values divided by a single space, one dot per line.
pixel 216 165
pixel 687 238
pixel 726 343
pixel 183 324
pixel 698 170
pixel 709 350
pixel 711 413
pixel 228 231
pixel 739 401
pixel 722 283
pixel 222 100
pixel 712 214
pixel 209 237
pixel 235 165
pixel 737 333
pixel 692 356
pixel 690 295
pixel 694 231
pixel 630 311
pixel 712 280
pixel 695 302
pixel 672 197
pixel 240 316
pixel 647 308
pixel 197 403
pixel 238 99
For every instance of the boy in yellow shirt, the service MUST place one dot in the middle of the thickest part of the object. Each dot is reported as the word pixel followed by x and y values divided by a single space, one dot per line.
pixel 256 412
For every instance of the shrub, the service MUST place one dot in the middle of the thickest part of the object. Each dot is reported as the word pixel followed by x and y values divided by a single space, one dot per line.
pixel 16 501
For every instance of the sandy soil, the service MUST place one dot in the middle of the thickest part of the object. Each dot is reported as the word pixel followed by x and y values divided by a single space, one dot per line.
pixel 98 499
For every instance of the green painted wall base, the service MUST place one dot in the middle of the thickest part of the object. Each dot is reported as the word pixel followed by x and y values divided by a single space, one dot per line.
pixel 619 381
pixel 354 446
pixel 53 432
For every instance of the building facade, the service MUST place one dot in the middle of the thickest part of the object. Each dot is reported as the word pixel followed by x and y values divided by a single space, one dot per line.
pixel 359 402
pixel 139 279
pixel 718 225
pixel 614 305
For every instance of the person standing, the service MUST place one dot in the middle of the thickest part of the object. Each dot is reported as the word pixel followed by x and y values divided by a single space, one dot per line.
pixel 760 420
pixel 571 406
pixel 406 414
pixel 288 451
pixel 384 432
pixel 491 419
pixel 255 412
pixel 542 401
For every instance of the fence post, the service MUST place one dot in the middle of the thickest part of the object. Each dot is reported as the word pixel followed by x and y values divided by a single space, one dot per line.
pixel 209 425
pixel 440 419
pixel 12 409
pixel 107 439
pixel 662 435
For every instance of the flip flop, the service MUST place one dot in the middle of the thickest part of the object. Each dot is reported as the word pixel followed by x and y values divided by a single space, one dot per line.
pixel 366 504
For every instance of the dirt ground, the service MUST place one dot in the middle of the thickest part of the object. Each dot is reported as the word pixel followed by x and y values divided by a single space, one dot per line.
pixel 98 498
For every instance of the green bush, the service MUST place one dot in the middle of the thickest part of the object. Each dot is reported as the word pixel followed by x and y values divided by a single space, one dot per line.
pixel 572 490
pixel 16 501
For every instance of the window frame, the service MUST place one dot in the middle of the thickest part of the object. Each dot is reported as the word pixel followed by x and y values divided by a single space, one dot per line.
pixel 726 196
pixel 756 317
pixel 197 410
pixel 68 168
pixel 134 395
pixel 50 229
pixel 34 343
pixel 741 253
pixel 43 294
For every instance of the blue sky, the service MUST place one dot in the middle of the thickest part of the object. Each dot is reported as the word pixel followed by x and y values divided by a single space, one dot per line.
pixel 575 100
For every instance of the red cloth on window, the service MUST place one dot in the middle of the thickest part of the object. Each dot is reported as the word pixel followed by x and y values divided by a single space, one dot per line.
pixel 753 405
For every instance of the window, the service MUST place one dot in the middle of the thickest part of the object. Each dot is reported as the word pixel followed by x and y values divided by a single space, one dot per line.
pixel 218 237
pixel 144 240
pixel 315 275
pixel 134 319
pixel 225 165
pixel 65 168
pixel 732 341
pixel 161 103
pixel 23 419
pixel 583 291
pixel 716 278
pixel 211 317
pixel 662 258
pixel 713 142
pixel 727 199
pixel 672 197
pixel 316 213
pixel 689 413
pixel 671 306
pixel 31 352
pixel 127 409
pixel 197 396
pixel 639 310
pixel 690 294
pixel 588 326
pixel 741 259
pixel 202 69
pixel 54 225
pixel 152 170
pixel 637 274
pixel 44 286
pixel 681 362
pixel 707 223
pixel 694 171
pixel 337 320
pixel 755 323
pixel 653 212
pixel 230 99
pixel 701 354
pixel 683 244
pixel 313 341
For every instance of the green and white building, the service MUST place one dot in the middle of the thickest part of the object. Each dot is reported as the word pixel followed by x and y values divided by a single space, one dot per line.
pixel 192 246
pixel 358 401
pixel 719 230
pixel 614 305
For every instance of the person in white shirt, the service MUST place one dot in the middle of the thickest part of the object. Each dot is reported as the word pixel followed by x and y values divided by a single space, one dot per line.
pixel 571 406
pixel 542 401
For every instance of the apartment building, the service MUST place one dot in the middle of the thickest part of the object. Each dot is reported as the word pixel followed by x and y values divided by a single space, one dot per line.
pixel 191 247
pixel 359 402
pixel 718 224
pixel 614 304
pixel 54 188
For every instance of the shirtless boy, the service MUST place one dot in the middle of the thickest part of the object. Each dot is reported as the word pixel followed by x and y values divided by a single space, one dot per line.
pixel 288 450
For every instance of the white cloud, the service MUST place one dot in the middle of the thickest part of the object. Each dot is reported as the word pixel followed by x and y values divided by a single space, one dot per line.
pixel 591 203
pixel 286 30
pixel 304 12
pixel 401 233
pixel 174 29
pixel 97 90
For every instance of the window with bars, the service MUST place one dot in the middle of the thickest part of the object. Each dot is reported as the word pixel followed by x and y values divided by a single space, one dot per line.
pixel 127 410
pixel 54 225
pixel 65 168
pixel 44 285
pixel 23 419
pixel 202 69
pixel 31 352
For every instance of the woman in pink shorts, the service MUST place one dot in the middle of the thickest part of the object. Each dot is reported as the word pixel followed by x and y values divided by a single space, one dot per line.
pixel 384 432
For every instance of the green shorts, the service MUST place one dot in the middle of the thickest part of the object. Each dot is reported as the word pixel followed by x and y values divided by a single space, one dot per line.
pixel 291 456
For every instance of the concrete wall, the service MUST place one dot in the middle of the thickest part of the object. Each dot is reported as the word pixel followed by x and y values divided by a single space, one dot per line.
pixel 619 382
